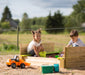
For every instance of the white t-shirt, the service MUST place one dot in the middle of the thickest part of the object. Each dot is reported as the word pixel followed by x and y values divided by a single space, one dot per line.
pixel 77 43
pixel 31 44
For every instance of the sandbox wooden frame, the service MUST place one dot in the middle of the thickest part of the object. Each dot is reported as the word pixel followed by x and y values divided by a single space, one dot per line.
pixel 74 57
pixel 49 47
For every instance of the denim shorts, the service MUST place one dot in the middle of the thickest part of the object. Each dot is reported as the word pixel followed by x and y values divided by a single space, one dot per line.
pixel 32 53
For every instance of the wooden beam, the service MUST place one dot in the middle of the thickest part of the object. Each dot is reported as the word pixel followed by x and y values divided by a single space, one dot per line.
pixel 38 61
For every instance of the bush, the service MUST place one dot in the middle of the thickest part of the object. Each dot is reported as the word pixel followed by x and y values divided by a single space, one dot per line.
pixel 9 47
pixel 5 25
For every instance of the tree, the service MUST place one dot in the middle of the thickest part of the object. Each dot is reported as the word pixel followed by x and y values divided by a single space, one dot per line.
pixel 58 22
pixel 79 10
pixel 25 22
pixel 70 22
pixel 49 23
pixel 5 25
pixel 0 28
pixel 0 24
pixel 55 21
pixel 6 14
pixel 77 17
pixel 79 7
pixel 34 21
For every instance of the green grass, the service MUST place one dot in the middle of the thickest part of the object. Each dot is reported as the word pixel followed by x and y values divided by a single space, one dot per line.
pixel 60 40
pixel 7 52
pixel 8 49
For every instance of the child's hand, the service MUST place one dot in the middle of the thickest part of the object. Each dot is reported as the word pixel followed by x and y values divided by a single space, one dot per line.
pixel 42 50
pixel 61 55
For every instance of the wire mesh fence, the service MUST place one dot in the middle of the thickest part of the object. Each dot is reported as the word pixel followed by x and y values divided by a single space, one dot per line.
pixel 10 40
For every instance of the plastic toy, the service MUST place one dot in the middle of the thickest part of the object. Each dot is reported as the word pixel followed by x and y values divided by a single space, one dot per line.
pixel 59 58
pixel 17 62
pixel 56 67
pixel 47 69
pixel 42 54
pixel 56 56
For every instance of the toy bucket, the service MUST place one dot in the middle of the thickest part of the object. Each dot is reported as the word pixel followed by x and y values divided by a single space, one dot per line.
pixel 42 54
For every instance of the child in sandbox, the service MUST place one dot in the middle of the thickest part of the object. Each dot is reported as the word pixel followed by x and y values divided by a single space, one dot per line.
pixel 75 41
pixel 35 46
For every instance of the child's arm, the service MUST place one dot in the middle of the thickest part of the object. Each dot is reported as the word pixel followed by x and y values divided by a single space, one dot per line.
pixel 36 51
pixel 68 45
pixel 62 53
pixel 42 49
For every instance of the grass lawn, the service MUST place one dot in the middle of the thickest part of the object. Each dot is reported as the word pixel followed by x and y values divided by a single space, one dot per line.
pixel 11 52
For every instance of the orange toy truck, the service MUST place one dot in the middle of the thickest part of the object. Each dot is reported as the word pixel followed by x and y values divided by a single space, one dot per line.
pixel 17 62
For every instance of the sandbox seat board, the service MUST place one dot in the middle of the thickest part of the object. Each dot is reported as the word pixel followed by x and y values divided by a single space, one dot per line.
pixel 38 61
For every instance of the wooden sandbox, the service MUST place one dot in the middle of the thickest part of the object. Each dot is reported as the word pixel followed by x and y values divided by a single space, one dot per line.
pixel 74 57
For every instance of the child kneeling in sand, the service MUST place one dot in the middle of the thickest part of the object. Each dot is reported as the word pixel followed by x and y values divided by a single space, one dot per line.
pixel 35 46
pixel 75 41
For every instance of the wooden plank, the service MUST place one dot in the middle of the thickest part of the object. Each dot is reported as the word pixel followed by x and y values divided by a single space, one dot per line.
pixel 49 47
pixel 38 61
pixel 23 49
pixel 75 67
pixel 62 63
pixel 75 54
pixel 74 63
pixel 75 49
pixel 75 57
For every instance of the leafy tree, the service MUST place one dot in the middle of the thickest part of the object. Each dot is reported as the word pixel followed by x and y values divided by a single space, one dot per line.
pixel 5 25
pixel 77 17
pixel 34 21
pixel 37 22
pixel 55 21
pixel 70 23
pixel 58 22
pixel 41 20
pixel 6 14
pixel 49 23
pixel 79 7
pixel 79 10
pixel 0 28
pixel 25 22
pixel 0 24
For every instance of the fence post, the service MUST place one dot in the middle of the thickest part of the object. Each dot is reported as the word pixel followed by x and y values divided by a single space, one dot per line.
pixel 17 36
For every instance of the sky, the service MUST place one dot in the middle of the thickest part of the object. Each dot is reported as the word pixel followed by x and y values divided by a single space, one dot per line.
pixel 36 8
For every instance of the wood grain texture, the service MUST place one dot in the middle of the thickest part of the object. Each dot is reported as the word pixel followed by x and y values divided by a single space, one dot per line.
pixel 75 57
